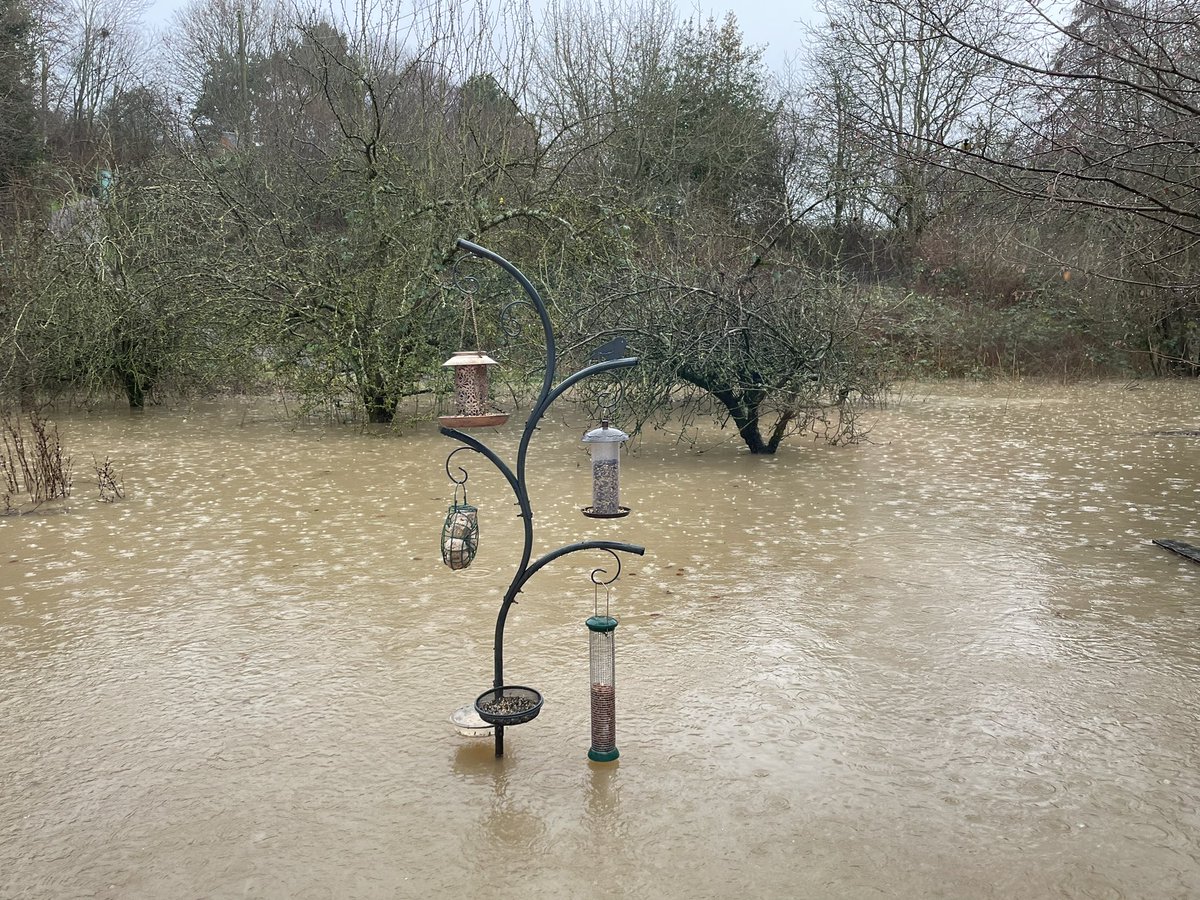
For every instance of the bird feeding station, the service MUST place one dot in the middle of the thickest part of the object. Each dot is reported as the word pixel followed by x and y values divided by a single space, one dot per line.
pixel 505 705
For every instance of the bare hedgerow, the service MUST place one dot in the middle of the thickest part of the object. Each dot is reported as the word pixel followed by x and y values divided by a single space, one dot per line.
pixel 33 468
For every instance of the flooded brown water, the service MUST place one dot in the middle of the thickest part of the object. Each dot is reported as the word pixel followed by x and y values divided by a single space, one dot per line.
pixel 943 663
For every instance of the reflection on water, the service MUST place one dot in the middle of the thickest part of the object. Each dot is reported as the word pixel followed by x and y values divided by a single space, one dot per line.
pixel 947 662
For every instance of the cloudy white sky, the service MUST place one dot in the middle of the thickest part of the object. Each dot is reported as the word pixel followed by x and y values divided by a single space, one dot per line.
pixel 775 25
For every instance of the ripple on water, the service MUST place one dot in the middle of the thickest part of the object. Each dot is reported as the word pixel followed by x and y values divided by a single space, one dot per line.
pixel 943 662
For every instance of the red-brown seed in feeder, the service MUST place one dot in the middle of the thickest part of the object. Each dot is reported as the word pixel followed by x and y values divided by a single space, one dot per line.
pixel 603 670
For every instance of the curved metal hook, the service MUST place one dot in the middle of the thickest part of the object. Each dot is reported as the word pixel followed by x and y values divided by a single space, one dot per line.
pixel 508 321
pixel 595 572
pixel 468 284
pixel 465 474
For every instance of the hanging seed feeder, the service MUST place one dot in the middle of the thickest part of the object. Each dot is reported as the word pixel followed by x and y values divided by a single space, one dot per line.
pixel 460 532
pixel 603 669
pixel 471 391
pixel 606 444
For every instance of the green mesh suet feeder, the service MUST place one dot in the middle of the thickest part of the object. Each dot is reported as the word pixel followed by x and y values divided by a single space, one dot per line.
pixel 460 533
pixel 605 445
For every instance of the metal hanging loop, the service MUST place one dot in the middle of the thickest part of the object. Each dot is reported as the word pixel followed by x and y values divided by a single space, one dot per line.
pixel 606 581
pixel 609 401
pixel 596 597
pixel 510 323
pixel 468 285
pixel 450 475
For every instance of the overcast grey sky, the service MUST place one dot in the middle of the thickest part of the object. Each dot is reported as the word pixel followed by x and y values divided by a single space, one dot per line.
pixel 773 24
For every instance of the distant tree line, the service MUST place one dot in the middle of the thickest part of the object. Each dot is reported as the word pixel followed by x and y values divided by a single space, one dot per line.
pixel 273 196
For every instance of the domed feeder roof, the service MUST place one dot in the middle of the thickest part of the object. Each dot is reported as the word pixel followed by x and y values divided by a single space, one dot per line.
pixel 605 434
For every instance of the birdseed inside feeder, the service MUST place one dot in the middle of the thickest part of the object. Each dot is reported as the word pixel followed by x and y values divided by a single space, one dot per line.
pixel 471 391
pixel 606 444
pixel 602 634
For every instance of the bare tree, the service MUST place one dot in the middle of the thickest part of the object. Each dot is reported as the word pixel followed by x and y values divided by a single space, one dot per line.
pixel 890 92
pixel 1104 138
pixel 18 110
pixel 101 57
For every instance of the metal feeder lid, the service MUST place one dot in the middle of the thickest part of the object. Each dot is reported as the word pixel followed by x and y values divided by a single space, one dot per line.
pixel 605 434
pixel 601 623
pixel 470 358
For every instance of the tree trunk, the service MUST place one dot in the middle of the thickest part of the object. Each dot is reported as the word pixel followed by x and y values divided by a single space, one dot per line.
pixel 135 382
pixel 379 411
pixel 742 408
pixel 378 401
pixel 135 389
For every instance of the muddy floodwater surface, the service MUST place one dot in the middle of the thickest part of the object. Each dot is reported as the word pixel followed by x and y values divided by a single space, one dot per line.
pixel 947 662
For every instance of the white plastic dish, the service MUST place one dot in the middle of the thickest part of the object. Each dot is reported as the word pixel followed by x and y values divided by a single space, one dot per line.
pixel 468 723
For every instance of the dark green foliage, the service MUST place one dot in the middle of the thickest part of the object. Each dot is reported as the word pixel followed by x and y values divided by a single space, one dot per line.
pixel 699 131
pixel 775 348
pixel 19 140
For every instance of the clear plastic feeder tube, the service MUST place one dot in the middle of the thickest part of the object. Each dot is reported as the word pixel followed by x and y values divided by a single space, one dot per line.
pixel 602 635
pixel 606 469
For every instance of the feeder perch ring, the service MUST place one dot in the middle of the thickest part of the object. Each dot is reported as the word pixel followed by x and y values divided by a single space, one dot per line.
pixel 508 705
pixel 622 512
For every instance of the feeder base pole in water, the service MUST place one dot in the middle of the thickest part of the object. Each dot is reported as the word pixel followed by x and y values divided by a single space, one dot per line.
pixel 603 755
pixel 499 741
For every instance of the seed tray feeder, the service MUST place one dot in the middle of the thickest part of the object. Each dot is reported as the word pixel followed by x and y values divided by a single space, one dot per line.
pixel 509 705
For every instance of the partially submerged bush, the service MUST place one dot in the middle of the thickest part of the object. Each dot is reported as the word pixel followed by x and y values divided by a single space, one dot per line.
pixel 33 469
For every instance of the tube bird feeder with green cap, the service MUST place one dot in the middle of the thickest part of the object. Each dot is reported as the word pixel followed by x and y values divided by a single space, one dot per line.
pixel 603 669
pixel 606 444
